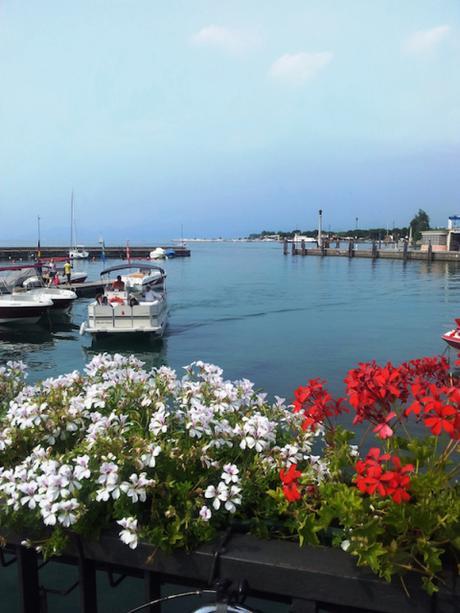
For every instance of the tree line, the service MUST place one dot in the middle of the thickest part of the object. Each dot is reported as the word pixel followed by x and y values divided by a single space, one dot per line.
pixel 419 223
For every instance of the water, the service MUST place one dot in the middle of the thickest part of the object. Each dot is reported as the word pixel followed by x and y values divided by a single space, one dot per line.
pixel 277 320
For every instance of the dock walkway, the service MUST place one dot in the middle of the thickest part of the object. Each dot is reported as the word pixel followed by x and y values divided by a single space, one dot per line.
pixel 375 253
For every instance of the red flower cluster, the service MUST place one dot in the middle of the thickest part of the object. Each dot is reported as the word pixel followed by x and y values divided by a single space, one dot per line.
pixel 438 407
pixel 373 389
pixel 289 480
pixel 374 476
pixel 428 369
pixel 316 404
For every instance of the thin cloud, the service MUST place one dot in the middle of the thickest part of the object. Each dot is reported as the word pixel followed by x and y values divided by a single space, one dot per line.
pixel 235 42
pixel 299 67
pixel 426 40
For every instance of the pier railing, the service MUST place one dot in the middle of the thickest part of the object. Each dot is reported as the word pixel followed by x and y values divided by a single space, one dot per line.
pixel 308 579
pixel 374 253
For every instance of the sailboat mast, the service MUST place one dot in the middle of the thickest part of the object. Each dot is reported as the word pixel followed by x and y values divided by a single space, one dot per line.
pixel 71 221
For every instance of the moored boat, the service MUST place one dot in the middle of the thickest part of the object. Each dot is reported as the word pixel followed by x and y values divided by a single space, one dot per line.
pixel 133 304
pixel 452 337
pixel 25 282
pixel 78 253
pixel 158 254
pixel 62 299
pixel 20 308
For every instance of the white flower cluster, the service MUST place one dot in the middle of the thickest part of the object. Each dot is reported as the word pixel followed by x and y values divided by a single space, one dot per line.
pixel 121 436
pixel 227 492
pixel 42 483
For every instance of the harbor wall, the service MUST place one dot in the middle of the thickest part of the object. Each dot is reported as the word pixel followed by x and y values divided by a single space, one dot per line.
pixel 117 252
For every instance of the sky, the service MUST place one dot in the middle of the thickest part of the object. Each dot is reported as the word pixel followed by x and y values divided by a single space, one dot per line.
pixel 226 117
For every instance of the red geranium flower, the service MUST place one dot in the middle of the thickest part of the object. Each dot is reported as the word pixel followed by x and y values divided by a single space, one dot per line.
pixel 289 480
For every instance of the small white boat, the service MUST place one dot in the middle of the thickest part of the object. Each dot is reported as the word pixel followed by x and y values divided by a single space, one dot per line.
pixel 20 308
pixel 452 337
pixel 298 238
pixel 47 272
pixel 158 254
pixel 78 253
pixel 62 299
pixel 133 304
pixel 25 282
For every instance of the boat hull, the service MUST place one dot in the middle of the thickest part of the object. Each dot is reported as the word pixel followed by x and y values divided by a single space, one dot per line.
pixel 124 320
pixel 452 338
pixel 26 314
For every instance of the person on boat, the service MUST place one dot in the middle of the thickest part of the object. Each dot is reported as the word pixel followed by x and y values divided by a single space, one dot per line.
pixel 118 284
pixel 149 294
pixel 68 270
pixel 132 300
pixel 46 277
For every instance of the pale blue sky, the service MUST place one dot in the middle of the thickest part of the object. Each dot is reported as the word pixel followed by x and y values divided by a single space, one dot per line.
pixel 226 116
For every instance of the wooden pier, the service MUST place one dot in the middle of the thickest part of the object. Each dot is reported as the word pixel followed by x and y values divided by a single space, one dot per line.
pixel 118 252
pixel 375 253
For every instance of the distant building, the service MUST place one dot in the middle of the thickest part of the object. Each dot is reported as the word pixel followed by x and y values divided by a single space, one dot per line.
pixel 443 239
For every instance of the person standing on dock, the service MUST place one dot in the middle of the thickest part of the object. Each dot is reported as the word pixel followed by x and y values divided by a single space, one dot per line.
pixel 68 271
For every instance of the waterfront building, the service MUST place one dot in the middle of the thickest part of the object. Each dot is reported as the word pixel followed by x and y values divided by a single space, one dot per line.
pixel 443 239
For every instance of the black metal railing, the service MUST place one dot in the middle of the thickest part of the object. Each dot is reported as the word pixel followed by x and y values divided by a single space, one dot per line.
pixel 309 579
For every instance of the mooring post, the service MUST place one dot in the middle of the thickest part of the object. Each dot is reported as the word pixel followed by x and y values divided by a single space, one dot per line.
pixel 293 247
pixel 430 252
pixel 374 250
pixel 350 249
pixel 285 247
pixel 302 247
pixel 405 244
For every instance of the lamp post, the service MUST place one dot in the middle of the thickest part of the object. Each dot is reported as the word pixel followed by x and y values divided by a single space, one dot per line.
pixel 320 228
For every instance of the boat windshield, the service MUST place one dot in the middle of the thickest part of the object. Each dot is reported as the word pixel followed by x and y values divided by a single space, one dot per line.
pixel 16 278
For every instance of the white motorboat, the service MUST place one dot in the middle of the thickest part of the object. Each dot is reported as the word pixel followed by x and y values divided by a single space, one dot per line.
pixel 298 238
pixel 78 253
pixel 158 254
pixel 62 299
pixel 47 272
pixel 21 308
pixel 25 282
pixel 134 303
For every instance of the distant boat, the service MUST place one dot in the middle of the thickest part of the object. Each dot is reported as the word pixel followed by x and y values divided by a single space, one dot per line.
pixel 76 252
pixel 298 238
pixel 452 337
pixel 158 254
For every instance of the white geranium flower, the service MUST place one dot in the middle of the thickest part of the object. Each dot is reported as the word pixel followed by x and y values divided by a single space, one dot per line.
pixel 148 458
pixel 230 474
pixel 205 513
pixel 345 545
pixel 129 533
pixel 219 494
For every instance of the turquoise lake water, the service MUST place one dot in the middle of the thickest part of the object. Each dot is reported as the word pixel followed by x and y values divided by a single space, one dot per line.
pixel 277 320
